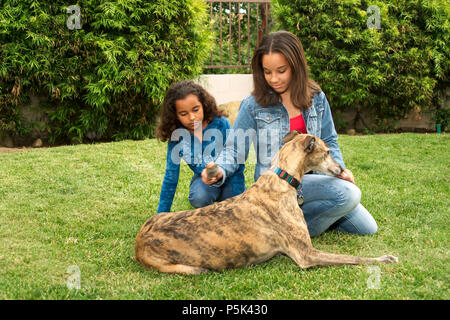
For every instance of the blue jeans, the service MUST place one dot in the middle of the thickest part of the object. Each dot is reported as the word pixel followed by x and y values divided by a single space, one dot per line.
pixel 202 195
pixel 333 203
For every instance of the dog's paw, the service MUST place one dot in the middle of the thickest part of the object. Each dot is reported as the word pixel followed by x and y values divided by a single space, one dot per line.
pixel 388 259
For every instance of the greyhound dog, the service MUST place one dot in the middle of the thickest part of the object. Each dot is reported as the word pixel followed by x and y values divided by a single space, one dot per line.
pixel 247 229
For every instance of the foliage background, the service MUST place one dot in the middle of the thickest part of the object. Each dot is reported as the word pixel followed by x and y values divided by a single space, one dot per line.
pixel 389 72
pixel 107 80
pixel 109 77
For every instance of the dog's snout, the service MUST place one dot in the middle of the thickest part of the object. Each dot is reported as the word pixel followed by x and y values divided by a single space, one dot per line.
pixel 335 168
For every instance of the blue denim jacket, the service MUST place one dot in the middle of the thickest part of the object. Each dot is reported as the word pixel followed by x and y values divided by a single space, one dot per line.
pixel 184 145
pixel 266 126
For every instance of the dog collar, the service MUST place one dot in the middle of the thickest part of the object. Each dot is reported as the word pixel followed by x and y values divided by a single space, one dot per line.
pixel 292 181
pixel 286 176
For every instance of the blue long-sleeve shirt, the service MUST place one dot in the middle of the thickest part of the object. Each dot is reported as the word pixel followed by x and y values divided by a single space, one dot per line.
pixel 184 145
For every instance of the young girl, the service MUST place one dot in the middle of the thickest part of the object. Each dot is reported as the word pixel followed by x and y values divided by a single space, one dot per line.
pixel 196 131
pixel 284 99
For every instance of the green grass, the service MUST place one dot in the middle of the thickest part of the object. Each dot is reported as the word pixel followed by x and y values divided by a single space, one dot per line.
pixel 83 205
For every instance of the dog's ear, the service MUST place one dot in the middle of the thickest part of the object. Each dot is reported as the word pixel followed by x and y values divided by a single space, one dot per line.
pixel 309 144
pixel 291 135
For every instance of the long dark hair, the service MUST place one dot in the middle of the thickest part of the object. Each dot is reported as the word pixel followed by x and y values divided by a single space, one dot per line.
pixel 178 91
pixel 302 87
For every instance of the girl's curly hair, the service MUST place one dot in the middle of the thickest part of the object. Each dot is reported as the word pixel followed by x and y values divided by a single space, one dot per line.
pixel 178 91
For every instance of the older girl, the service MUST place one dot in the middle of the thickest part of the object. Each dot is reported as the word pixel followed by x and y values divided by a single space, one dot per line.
pixel 284 99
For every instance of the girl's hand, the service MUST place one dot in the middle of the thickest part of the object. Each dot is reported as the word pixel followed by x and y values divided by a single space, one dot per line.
pixel 207 180
pixel 347 175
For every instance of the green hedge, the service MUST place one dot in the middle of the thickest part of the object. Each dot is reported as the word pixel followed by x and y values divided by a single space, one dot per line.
pixel 390 71
pixel 110 76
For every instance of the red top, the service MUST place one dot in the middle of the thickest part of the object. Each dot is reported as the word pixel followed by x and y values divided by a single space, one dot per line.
pixel 298 123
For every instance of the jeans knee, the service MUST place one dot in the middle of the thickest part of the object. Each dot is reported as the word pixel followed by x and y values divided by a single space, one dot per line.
pixel 349 196
pixel 359 221
pixel 370 228
pixel 354 194
pixel 200 201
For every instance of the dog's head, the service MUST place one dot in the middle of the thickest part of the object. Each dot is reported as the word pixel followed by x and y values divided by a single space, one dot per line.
pixel 315 153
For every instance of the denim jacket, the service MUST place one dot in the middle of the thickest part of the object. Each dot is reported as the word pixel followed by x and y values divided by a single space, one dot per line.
pixel 184 145
pixel 266 126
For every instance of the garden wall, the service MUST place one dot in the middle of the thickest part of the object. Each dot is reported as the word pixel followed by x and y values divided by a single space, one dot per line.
pixel 230 89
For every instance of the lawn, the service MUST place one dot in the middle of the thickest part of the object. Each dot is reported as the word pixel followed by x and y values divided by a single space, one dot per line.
pixel 83 206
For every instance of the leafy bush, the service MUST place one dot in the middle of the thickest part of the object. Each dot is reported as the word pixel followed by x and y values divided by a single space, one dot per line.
pixel 388 71
pixel 442 117
pixel 110 76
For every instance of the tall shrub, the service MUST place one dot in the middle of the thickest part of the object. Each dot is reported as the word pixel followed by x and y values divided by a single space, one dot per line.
pixel 388 71
pixel 109 76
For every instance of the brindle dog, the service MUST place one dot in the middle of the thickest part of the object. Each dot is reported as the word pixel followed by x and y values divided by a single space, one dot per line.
pixel 248 229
